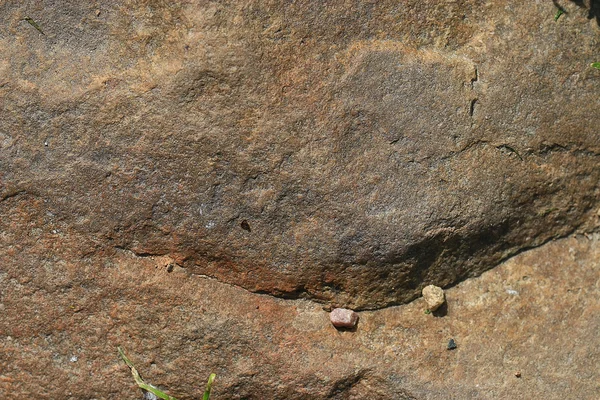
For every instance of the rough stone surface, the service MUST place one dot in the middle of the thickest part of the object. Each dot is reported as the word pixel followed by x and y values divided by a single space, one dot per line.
pixel 348 152
pixel 343 318
pixel 66 307
pixel 434 297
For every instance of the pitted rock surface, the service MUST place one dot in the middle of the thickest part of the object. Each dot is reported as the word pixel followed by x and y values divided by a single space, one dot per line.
pixel 371 148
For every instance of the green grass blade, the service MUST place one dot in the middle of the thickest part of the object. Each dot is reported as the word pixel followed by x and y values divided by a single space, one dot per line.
pixel 595 65
pixel 35 25
pixel 140 382
pixel 156 392
pixel 559 12
pixel 211 378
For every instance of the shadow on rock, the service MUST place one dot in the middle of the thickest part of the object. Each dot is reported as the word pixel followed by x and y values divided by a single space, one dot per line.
pixel 593 9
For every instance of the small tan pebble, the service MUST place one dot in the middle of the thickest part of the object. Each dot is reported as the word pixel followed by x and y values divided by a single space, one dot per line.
pixel 97 13
pixel 343 318
pixel 434 296
pixel 518 374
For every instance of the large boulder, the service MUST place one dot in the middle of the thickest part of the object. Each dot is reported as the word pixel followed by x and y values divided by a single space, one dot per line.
pixel 350 152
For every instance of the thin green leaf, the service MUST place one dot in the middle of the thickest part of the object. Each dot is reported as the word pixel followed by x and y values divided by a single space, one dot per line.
pixel 156 392
pixel 140 382
pixel 559 12
pixel 35 25
pixel 595 65
pixel 211 378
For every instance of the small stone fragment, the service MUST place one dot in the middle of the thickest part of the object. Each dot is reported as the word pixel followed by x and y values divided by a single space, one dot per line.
pixel 518 374
pixel 434 296
pixel 451 344
pixel 343 318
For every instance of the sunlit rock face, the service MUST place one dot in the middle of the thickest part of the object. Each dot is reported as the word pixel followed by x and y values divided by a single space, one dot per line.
pixel 350 153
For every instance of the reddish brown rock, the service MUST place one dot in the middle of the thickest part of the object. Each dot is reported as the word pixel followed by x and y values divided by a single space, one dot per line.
pixel 343 318
pixel 369 147
pixel 66 307
pixel 346 152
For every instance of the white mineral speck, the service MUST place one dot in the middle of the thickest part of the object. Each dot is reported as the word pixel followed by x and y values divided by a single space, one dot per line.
pixel 434 296
pixel 150 395
pixel 343 318
pixel 73 359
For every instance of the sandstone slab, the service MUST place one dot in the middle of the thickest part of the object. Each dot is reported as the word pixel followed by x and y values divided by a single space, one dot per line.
pixel 66 307
pixel 348 152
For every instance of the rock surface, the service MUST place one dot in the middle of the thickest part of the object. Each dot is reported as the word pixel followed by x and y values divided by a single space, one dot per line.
pixel 65 308
pixel 349 152
pixel 434 297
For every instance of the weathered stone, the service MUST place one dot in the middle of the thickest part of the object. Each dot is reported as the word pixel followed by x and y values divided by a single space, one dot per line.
pixel 434 297
pixel 343 318
pixel 345 152
pixel 63 299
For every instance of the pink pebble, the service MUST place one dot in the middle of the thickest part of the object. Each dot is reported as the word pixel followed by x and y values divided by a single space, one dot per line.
pixel 343 318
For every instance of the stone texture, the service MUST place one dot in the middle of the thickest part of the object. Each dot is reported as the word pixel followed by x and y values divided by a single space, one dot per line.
pixel 434 297
pixel 343 318
pixel 348 152
pixel 66 306
pixel 345 152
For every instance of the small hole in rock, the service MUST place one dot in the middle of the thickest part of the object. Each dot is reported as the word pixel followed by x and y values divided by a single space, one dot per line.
pixel 245 226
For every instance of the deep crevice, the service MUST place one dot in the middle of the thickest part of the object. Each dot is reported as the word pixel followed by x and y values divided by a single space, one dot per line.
pixel 510 149
pixel 142 254
pixel 472 107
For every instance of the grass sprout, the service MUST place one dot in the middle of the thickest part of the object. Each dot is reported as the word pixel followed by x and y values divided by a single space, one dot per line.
pixel 146 387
